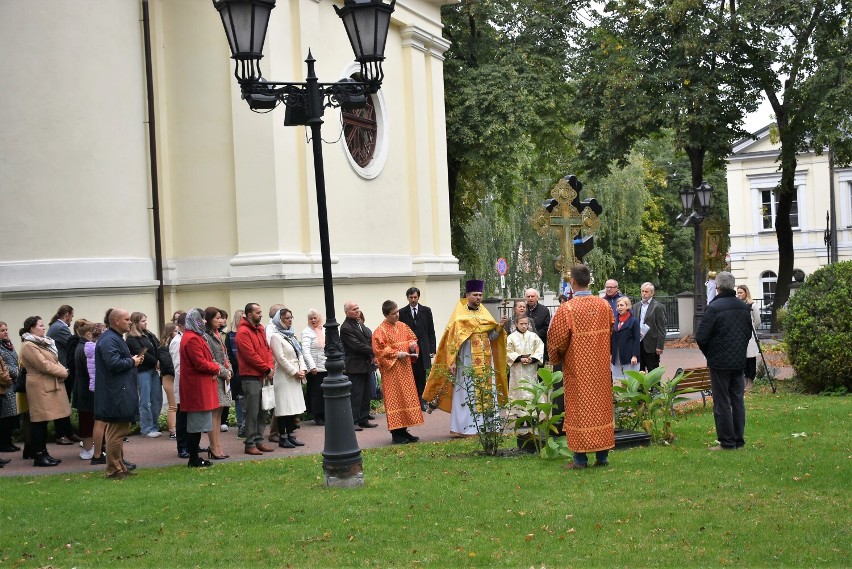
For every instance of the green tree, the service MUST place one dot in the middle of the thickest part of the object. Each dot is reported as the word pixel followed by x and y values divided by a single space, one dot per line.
pixel 798 53
pixel 649 66
pixel 507 101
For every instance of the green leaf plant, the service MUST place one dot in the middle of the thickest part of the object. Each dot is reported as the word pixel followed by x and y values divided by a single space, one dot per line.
pixel 644 401
pixel 539 412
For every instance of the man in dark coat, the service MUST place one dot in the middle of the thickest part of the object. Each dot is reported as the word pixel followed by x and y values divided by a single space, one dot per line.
pixel 652 327
pixel 419 319
pixel 358 345
pixel 723 338
pixel 116 385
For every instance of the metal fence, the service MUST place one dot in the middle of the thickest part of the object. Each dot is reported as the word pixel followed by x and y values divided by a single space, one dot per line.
pixel 670 303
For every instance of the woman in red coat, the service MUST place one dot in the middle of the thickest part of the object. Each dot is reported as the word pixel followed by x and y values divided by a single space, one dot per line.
pixel 199 374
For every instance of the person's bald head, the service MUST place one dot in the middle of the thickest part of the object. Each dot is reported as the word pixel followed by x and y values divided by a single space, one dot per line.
pixel 531 295
pixel 119 320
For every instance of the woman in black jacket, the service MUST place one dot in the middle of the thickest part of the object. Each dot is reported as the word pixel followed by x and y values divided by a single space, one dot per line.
pixel 625 340
pixel 141 341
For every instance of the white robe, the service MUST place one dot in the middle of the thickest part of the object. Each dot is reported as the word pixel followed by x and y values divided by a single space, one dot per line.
pixel 517 345
pixel 463 419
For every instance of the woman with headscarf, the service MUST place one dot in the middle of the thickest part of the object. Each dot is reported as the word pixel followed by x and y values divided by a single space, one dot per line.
pixel 290 372
pixel 46 394
pixel 214 320
pixel 313 349
pixel 199 377
pixel 8 403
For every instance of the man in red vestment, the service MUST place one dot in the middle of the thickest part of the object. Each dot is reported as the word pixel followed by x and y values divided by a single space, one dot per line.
pixel 579 337
pixel 395 347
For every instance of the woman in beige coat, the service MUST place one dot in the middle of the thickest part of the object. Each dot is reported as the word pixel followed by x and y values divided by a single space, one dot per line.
pixel 290 371
pixel 46 394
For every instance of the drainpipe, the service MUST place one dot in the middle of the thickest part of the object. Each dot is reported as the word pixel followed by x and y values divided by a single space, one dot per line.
pixel 152 151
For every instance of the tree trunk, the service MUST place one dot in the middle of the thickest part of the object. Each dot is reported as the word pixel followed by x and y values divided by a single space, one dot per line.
pixel 783 230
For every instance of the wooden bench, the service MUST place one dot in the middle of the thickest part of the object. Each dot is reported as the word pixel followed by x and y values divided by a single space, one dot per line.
pixel 697 380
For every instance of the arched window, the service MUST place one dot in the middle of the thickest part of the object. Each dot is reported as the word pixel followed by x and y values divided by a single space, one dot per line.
pixel 768 280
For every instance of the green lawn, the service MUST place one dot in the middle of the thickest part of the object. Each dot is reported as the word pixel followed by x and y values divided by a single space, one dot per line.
pixel 783 501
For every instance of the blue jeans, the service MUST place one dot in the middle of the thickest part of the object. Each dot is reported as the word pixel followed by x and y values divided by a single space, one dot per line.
pixel 150 401
pixel 600 456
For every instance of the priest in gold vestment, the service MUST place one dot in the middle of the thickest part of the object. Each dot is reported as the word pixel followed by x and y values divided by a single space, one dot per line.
pixel 579 337
pixel 472 342
pixel 395 346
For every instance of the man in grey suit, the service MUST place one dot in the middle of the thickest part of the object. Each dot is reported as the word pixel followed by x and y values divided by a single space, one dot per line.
pixel 419 319
pixel 358 344
pixel 652 329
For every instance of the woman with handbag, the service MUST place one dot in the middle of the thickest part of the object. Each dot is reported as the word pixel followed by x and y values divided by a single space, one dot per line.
pixel 8 404
pixel 290 372
pixel 199 377
pixel 46 394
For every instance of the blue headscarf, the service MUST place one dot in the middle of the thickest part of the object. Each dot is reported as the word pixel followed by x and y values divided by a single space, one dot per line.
pixel 287 333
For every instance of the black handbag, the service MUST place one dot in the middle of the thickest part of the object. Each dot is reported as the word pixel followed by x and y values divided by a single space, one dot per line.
pixel 21 380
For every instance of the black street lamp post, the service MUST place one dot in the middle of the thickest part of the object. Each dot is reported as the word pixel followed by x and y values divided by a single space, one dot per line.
pixel 696 207
pixel 367 23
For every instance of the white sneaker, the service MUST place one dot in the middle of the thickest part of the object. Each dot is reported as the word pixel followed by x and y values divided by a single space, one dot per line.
pixel 153 434
pixel 87 454
pixel 224 428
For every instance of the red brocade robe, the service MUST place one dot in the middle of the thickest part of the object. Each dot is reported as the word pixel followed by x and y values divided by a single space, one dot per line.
pixel 579 337
pixel 402 404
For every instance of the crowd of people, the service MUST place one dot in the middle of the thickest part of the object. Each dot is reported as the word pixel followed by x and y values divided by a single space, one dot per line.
pixel 115 372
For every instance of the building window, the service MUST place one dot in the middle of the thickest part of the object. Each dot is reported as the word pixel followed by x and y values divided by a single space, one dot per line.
pixel 364 139
pixel 360 131
pixel 769 205
pixel 768 279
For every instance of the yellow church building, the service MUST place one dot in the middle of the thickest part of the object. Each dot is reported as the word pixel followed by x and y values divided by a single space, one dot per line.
pixel 219 206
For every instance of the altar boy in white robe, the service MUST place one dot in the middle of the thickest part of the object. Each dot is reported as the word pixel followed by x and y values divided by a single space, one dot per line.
pixel 524 353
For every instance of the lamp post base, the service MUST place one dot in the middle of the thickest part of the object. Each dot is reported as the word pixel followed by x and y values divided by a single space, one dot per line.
pixel 344 476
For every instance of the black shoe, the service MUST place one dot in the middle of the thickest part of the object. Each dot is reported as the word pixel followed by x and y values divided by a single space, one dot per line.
pixel 128 465
pixel 294 441
pixel 423 406
pixel 399 440
pixel 183 453
pixel 199 463
pixel 411 438
pixel 98 460
pixel 358 427
pixel 367 424
pixel 10 448
pixel 41 459
pixel 371 417
pixel 53 459
pixel 4 462
pixel 284 442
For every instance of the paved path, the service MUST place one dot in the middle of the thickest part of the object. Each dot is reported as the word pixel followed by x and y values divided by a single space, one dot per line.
pixel 162 451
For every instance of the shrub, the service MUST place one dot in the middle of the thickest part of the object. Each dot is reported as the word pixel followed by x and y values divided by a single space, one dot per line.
pixel 817 329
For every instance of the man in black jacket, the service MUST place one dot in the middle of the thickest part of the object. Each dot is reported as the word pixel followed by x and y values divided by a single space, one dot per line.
pixel 723 338
pixel 358 344
pixel 419 319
